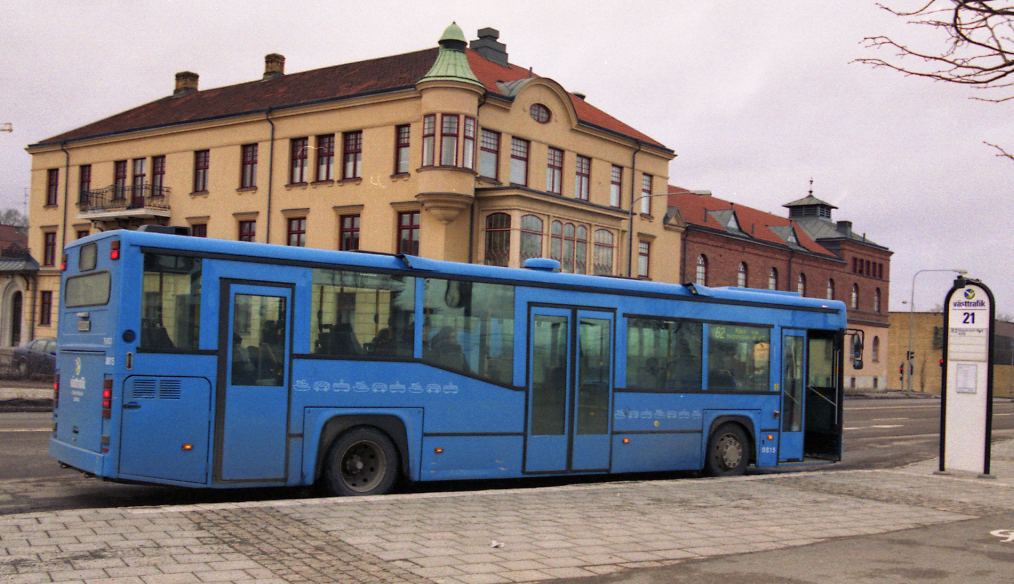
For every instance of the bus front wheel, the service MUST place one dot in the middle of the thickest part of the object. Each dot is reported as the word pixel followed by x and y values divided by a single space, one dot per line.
pixel 728 451
pixel 362 461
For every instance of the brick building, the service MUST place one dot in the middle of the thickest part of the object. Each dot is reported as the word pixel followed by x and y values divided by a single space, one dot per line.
pixel 729 244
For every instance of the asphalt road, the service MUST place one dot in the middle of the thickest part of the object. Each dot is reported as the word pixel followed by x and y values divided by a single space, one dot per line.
pixel 879 433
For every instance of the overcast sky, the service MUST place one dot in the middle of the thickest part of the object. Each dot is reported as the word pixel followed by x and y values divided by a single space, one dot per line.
pixel 755 100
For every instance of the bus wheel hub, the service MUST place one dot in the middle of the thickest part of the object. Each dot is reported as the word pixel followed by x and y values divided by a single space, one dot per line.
pixel 730 451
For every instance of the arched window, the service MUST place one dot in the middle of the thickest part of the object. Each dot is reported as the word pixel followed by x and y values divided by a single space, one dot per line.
pixel 876 301
pixel 568 248
pixel 854 299
pixel 830 288
pixel 498 239
pixel 531 237
pixel 603 252
pixel 773 279
pixel 741 275
pixel 702 270
pixel 801 284
pixel 556 241
pixel 876 349
pixel 581 250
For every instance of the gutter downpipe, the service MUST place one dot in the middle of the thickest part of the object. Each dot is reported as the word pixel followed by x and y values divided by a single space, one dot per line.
pixel 683 252
pixel 630 214
pixel 271 169
pixel 474 210
pixel 66 194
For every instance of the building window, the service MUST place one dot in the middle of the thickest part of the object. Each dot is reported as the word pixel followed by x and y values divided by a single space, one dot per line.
pixel 248 174
pixel 498 239
pixel 348 233
pixel 602 255
pixel 325 157
pixel 801 284
pixel 643 258
pixel 352 154
pixel 199 230
pixel 84 184
pixel 82 233
pixel 489 153
pixel 46 307
pixel 248 231
pixel 702 270
pixel 49 248
pixel 402 135
pixel 554 171
pixel 137 177
pixel 158 176
pixel 741 275
pixel 854 298
pixel 556 241
pixel 202 161
pixel 448 140
pixel 582 177
pixel 615 185
pixel 830 288
pixel 519 161
pixel 408 232
pixel 531 237
pixel 568 247
pixel 52 186
pixel 773 279
pixel 119 179
pixel 646 194
pixel 468 144
pixel 539 113
pixel 876 301
pixel 429 139
pixel 581 250
pixel 297 160
pixel 876 350
pixel 297 232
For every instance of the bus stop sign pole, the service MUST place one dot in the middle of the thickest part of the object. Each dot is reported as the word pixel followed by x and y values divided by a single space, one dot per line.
pixel 966 407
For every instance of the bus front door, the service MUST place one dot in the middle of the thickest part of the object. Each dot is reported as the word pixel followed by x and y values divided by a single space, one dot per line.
pixel 793 395
pixel 570 389
pixel 253 399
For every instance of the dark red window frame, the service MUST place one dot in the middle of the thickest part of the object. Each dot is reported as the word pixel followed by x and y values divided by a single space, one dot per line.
pixel 84 183
pixel 521 150
pixel 468 143
pixel 119 179
pixel 52 186
pixel 348 233
pixel 199 230
pixel 296 232
pixel 248 230
pixel 402 141
pixel 46 307
pixel 489 143
pixel 49 248
pixel 298 159
pixel 157 174
pixel 352 154
pixel 643 257
pixel 429 140
pixel 202 161
pixel 325 157
pixel 646 181
pixel 450 126
pixel 582 177
pixel 616 186
pixel 248 170
pixel 554 171
pixel 408 232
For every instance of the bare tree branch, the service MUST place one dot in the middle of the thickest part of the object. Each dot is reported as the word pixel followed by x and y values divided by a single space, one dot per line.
pixel 977 49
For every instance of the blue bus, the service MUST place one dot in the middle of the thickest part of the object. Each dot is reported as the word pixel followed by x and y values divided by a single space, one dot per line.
pixel 222 364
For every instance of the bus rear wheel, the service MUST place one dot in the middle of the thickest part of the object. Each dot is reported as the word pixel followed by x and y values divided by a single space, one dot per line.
pixel 728 452
pixel 362 461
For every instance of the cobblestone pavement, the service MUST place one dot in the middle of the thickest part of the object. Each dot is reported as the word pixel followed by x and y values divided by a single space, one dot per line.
pixel 488 536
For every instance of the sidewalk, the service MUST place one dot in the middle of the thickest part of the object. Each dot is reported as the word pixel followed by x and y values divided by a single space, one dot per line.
pixel 517 535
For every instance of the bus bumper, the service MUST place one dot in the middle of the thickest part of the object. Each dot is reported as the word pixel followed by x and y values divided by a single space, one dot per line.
pixel 73 456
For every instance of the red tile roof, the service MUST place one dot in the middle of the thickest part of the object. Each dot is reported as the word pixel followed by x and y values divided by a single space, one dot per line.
pixel 320 85
pixel 755 224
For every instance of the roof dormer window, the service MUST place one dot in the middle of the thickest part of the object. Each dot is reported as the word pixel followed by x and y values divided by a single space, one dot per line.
pixel 539 113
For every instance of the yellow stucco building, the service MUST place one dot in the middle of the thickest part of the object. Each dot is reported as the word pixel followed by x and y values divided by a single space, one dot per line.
pixel 449 153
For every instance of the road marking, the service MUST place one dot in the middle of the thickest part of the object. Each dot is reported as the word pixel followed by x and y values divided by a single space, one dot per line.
pixel 1007 533
pixel 865 408
pixel 883 426
pixel 889 419
pixel 10 430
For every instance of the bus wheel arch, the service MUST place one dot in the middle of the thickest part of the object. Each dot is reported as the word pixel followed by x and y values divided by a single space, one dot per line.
pixel 727 435
pixel 391 428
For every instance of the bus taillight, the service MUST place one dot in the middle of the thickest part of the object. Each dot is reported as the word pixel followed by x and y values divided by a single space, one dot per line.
pixel 63 263
pixel 114 249
pixel 107 399
pixel 56 391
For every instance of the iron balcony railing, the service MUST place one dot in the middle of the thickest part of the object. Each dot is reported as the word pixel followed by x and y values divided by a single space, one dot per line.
pixel 116 197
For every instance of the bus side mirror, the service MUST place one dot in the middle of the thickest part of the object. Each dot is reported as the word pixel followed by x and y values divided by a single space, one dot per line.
pixel 857 350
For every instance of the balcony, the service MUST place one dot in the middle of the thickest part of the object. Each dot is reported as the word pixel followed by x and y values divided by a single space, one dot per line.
pixel 121 202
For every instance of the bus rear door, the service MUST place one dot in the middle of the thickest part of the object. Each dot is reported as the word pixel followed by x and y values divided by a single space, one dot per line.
pixel 252 399
pixel 793 395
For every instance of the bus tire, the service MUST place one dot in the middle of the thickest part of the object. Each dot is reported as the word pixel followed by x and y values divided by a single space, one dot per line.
pixel 728 451
pixel 362 461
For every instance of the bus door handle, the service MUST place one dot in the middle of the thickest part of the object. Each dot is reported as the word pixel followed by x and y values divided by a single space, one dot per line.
pixel 131 406
pixel 775 413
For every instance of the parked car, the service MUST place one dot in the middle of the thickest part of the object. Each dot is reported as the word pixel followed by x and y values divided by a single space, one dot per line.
pixel 35 358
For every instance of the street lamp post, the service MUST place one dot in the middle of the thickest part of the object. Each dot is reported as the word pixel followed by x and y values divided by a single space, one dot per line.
pixel 630 229
pixel 907 371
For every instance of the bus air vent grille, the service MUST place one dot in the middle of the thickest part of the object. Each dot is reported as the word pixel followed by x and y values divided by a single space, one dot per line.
pixel 143 389
pixel 169 389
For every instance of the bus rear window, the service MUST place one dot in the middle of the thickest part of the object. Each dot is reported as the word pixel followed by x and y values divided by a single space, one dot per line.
pixel 171 302
pixel 86 261
pixel 89 290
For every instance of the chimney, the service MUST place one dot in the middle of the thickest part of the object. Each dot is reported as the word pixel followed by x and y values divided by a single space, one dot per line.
pixel 489 47
pixel 186 83
pixel 274 66
pixel 844 227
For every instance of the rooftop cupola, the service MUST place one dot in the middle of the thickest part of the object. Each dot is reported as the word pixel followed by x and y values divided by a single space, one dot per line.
pixel 452 63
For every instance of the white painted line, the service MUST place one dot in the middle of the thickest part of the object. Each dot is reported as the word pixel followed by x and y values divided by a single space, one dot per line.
pixel 889 419
pixel 934 406
pixel 11 430
pixel 887 426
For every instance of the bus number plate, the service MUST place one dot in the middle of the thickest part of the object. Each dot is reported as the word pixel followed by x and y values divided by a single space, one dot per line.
pixel 84 326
